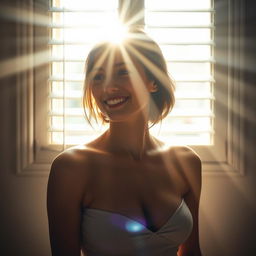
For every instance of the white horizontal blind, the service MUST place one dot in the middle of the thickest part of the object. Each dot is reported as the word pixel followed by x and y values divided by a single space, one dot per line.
pixel 184 30
pixel 76 25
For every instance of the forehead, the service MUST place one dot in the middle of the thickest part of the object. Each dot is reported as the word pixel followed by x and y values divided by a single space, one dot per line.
pixel 116 59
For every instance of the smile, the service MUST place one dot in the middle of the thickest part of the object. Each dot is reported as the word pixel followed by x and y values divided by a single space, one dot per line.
pixel 116 102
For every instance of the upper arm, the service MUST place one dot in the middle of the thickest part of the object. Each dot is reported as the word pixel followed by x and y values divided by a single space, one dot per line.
pixel 193 175
pixel 64 198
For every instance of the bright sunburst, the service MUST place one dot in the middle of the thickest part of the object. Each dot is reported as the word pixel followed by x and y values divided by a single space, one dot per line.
pixel 115 32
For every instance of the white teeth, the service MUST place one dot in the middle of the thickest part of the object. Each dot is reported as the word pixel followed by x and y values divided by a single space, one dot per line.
pixel 115 101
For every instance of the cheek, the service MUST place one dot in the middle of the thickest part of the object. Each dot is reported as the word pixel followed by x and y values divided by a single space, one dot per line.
pixel 141 92
pixel 96 94
pixel 96 91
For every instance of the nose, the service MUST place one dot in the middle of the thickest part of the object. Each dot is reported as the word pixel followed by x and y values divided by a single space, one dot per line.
pixel 111 85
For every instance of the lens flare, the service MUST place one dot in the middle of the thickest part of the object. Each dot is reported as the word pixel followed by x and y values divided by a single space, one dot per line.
pixel 133 226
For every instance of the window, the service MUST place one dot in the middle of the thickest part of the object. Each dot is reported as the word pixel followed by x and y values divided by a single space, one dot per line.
pixel 185 34
pixel 199 43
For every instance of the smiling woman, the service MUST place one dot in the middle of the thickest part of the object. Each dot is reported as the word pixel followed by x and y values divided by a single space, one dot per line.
pixel 138 58
pixel 126 192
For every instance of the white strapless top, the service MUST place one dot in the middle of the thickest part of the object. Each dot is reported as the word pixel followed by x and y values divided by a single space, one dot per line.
pixel 106 233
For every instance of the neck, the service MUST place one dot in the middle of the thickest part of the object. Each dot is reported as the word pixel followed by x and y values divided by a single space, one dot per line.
pixel 130 138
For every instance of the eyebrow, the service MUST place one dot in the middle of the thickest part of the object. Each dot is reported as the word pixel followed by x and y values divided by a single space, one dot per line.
pixel 120 64
pixel 116 65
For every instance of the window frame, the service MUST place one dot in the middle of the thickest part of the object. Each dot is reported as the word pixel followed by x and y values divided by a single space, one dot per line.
pixel 34 158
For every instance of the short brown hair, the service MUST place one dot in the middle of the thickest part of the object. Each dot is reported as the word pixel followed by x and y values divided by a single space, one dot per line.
pixel 162 100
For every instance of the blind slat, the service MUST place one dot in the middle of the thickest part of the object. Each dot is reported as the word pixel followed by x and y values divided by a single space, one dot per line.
pixel 80 78
pixel 211 60
pixel 59 9
pixel 61 42
pixel 66 26
pixel 82 131
pixel 180 10
pixel 72 95
pixel 173 114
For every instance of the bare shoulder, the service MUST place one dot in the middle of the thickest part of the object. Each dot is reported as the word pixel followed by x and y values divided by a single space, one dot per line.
pixel 76 156
pixel 187 158
pixel 189 167
pixel 186 153
pixel 71 165
pixel 69 180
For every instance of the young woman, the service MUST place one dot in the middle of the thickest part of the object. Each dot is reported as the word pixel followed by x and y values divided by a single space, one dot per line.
pixel 125 193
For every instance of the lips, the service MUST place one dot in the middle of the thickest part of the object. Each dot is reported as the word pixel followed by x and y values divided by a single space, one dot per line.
pixel 116 101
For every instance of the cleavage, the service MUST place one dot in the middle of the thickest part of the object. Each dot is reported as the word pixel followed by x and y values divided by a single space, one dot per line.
pixel 151 220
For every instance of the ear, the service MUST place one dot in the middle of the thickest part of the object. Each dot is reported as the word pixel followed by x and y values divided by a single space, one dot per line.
pixel 153 86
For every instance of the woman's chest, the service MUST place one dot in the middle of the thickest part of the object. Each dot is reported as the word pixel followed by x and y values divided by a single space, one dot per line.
pixel 150 191
pixel 120 183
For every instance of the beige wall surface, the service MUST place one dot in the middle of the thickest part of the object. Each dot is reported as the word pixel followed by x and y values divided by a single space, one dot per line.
pixel 227 207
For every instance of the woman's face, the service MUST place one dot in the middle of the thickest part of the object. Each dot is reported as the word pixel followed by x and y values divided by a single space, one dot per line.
pixel 120 87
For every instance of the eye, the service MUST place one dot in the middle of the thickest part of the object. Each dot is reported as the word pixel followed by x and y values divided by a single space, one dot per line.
pixel 98 77
pixel 123 72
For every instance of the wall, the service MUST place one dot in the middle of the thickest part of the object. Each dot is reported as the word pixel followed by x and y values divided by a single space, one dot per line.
pixel 228 210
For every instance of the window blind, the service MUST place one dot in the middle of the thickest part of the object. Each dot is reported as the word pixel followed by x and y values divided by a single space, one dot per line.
pixel 184 29
pixel 75 26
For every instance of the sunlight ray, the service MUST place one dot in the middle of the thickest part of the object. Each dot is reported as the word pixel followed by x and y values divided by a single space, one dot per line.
pixel 124 10
pixel 133 20
pixel 92 104
pixel 141 91
pixel 161 76
pixel 22 15
pixel 22 63
pixel 99 61
pixel 247 113
pixel 109 70
pixel 142 42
